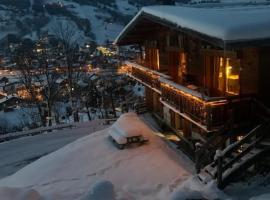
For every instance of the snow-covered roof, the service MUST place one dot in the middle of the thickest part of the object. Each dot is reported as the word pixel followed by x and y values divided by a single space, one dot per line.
pixel 7 98
pixel 227 24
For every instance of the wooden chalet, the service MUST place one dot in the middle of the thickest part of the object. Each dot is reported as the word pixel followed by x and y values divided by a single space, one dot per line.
pixel 206 71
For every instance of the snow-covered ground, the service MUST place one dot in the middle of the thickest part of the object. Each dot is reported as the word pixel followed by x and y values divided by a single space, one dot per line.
pixel 148 172
pixel 93 168
pixel 18 118
pixel 16 154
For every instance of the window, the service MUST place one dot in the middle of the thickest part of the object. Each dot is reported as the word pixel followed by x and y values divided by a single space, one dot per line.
pixel 232 76
pixel 228 75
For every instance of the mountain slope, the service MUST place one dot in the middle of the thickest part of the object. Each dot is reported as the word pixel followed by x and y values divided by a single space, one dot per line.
pixel 94 20
pixel 99 20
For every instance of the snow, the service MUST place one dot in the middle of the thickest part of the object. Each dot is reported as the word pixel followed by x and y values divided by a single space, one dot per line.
pixel 255 188
pixel 228 24
pixel 137 128
pixel 192 188
pixel 18 118
pixel 118 136
pixel 139 90
pixel 93 168
pixel 16 154
pixel 8 97
pixel 262 197
pixel 101 29
pixel 19 194
pixel 232 1
pixel 83 163
pixel 126 8
pixel 102 190
pixel 122 129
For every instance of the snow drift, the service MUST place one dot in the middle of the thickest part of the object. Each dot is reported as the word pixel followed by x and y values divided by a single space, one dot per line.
pixel 123 128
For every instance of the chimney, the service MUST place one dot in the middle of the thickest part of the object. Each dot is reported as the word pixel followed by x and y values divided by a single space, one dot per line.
pixel 166 2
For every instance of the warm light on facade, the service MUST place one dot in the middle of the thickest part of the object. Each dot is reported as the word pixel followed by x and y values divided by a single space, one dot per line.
pixel 232 79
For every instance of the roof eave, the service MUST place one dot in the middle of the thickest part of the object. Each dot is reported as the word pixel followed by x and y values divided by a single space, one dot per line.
pixel 219 42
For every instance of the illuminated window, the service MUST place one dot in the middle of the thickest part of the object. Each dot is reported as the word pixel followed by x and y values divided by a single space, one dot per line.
pixel 221 75
pixel 182 66
pixel 157 59
pixel 232 76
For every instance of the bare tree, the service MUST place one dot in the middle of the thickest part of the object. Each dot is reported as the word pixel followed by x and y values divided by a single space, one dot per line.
pixel 91 98
pixel 68 41
pixel 47 79
pixel 40 83
pixel 107 90
pixel 24 59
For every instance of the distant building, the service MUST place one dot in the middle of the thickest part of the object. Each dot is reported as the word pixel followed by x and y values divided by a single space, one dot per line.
pixel 8 101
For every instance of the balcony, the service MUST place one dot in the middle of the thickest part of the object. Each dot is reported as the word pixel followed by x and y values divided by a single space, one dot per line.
pixel 146 76
pixel 208 113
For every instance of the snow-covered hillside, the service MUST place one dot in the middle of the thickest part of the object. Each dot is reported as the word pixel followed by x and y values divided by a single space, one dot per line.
pixel 94 20
pixel 98 20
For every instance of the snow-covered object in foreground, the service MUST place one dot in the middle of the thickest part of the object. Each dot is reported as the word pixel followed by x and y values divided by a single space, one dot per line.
pixel 129 129
pixel 101 190
pixel 193 189
pixel 7 193
pixel 261 197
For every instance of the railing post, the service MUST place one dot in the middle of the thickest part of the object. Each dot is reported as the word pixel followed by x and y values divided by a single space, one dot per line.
pixel 208 117
pixel 219 168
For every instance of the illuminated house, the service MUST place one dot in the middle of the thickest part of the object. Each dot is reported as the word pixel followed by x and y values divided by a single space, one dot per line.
pixel 206 71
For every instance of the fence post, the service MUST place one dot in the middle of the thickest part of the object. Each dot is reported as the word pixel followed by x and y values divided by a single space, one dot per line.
pixel 219 157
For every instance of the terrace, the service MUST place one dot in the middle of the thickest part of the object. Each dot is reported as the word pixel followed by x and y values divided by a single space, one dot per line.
pixel 209 113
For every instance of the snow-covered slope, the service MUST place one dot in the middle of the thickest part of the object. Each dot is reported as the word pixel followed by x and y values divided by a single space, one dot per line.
pixel 99 20
pixel 105 20
pixel 150 171
pixel 91 168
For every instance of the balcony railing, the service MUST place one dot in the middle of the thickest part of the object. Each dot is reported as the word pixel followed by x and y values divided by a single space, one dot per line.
pixel 146 76
pixel 210 113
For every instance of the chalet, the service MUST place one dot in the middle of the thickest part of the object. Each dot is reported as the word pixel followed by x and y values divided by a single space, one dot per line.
pixel 205 70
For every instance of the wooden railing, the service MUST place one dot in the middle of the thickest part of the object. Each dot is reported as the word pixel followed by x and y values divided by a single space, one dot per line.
pixel 146 76
pixel 210 113
pixel 251 141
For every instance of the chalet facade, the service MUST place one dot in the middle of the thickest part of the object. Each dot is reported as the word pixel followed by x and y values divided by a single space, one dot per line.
pixel 206 71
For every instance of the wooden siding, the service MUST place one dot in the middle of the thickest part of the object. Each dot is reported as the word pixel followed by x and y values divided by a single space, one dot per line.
pixel 249 71
pixel 264 75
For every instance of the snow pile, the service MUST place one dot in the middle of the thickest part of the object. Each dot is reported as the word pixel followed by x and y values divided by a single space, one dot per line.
pixel 147 172
pixel 19 194
pixel 262 197
pixel 122 129
pixel 194 189
pixel 130 124
pixel 102 190
pixel 139 90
